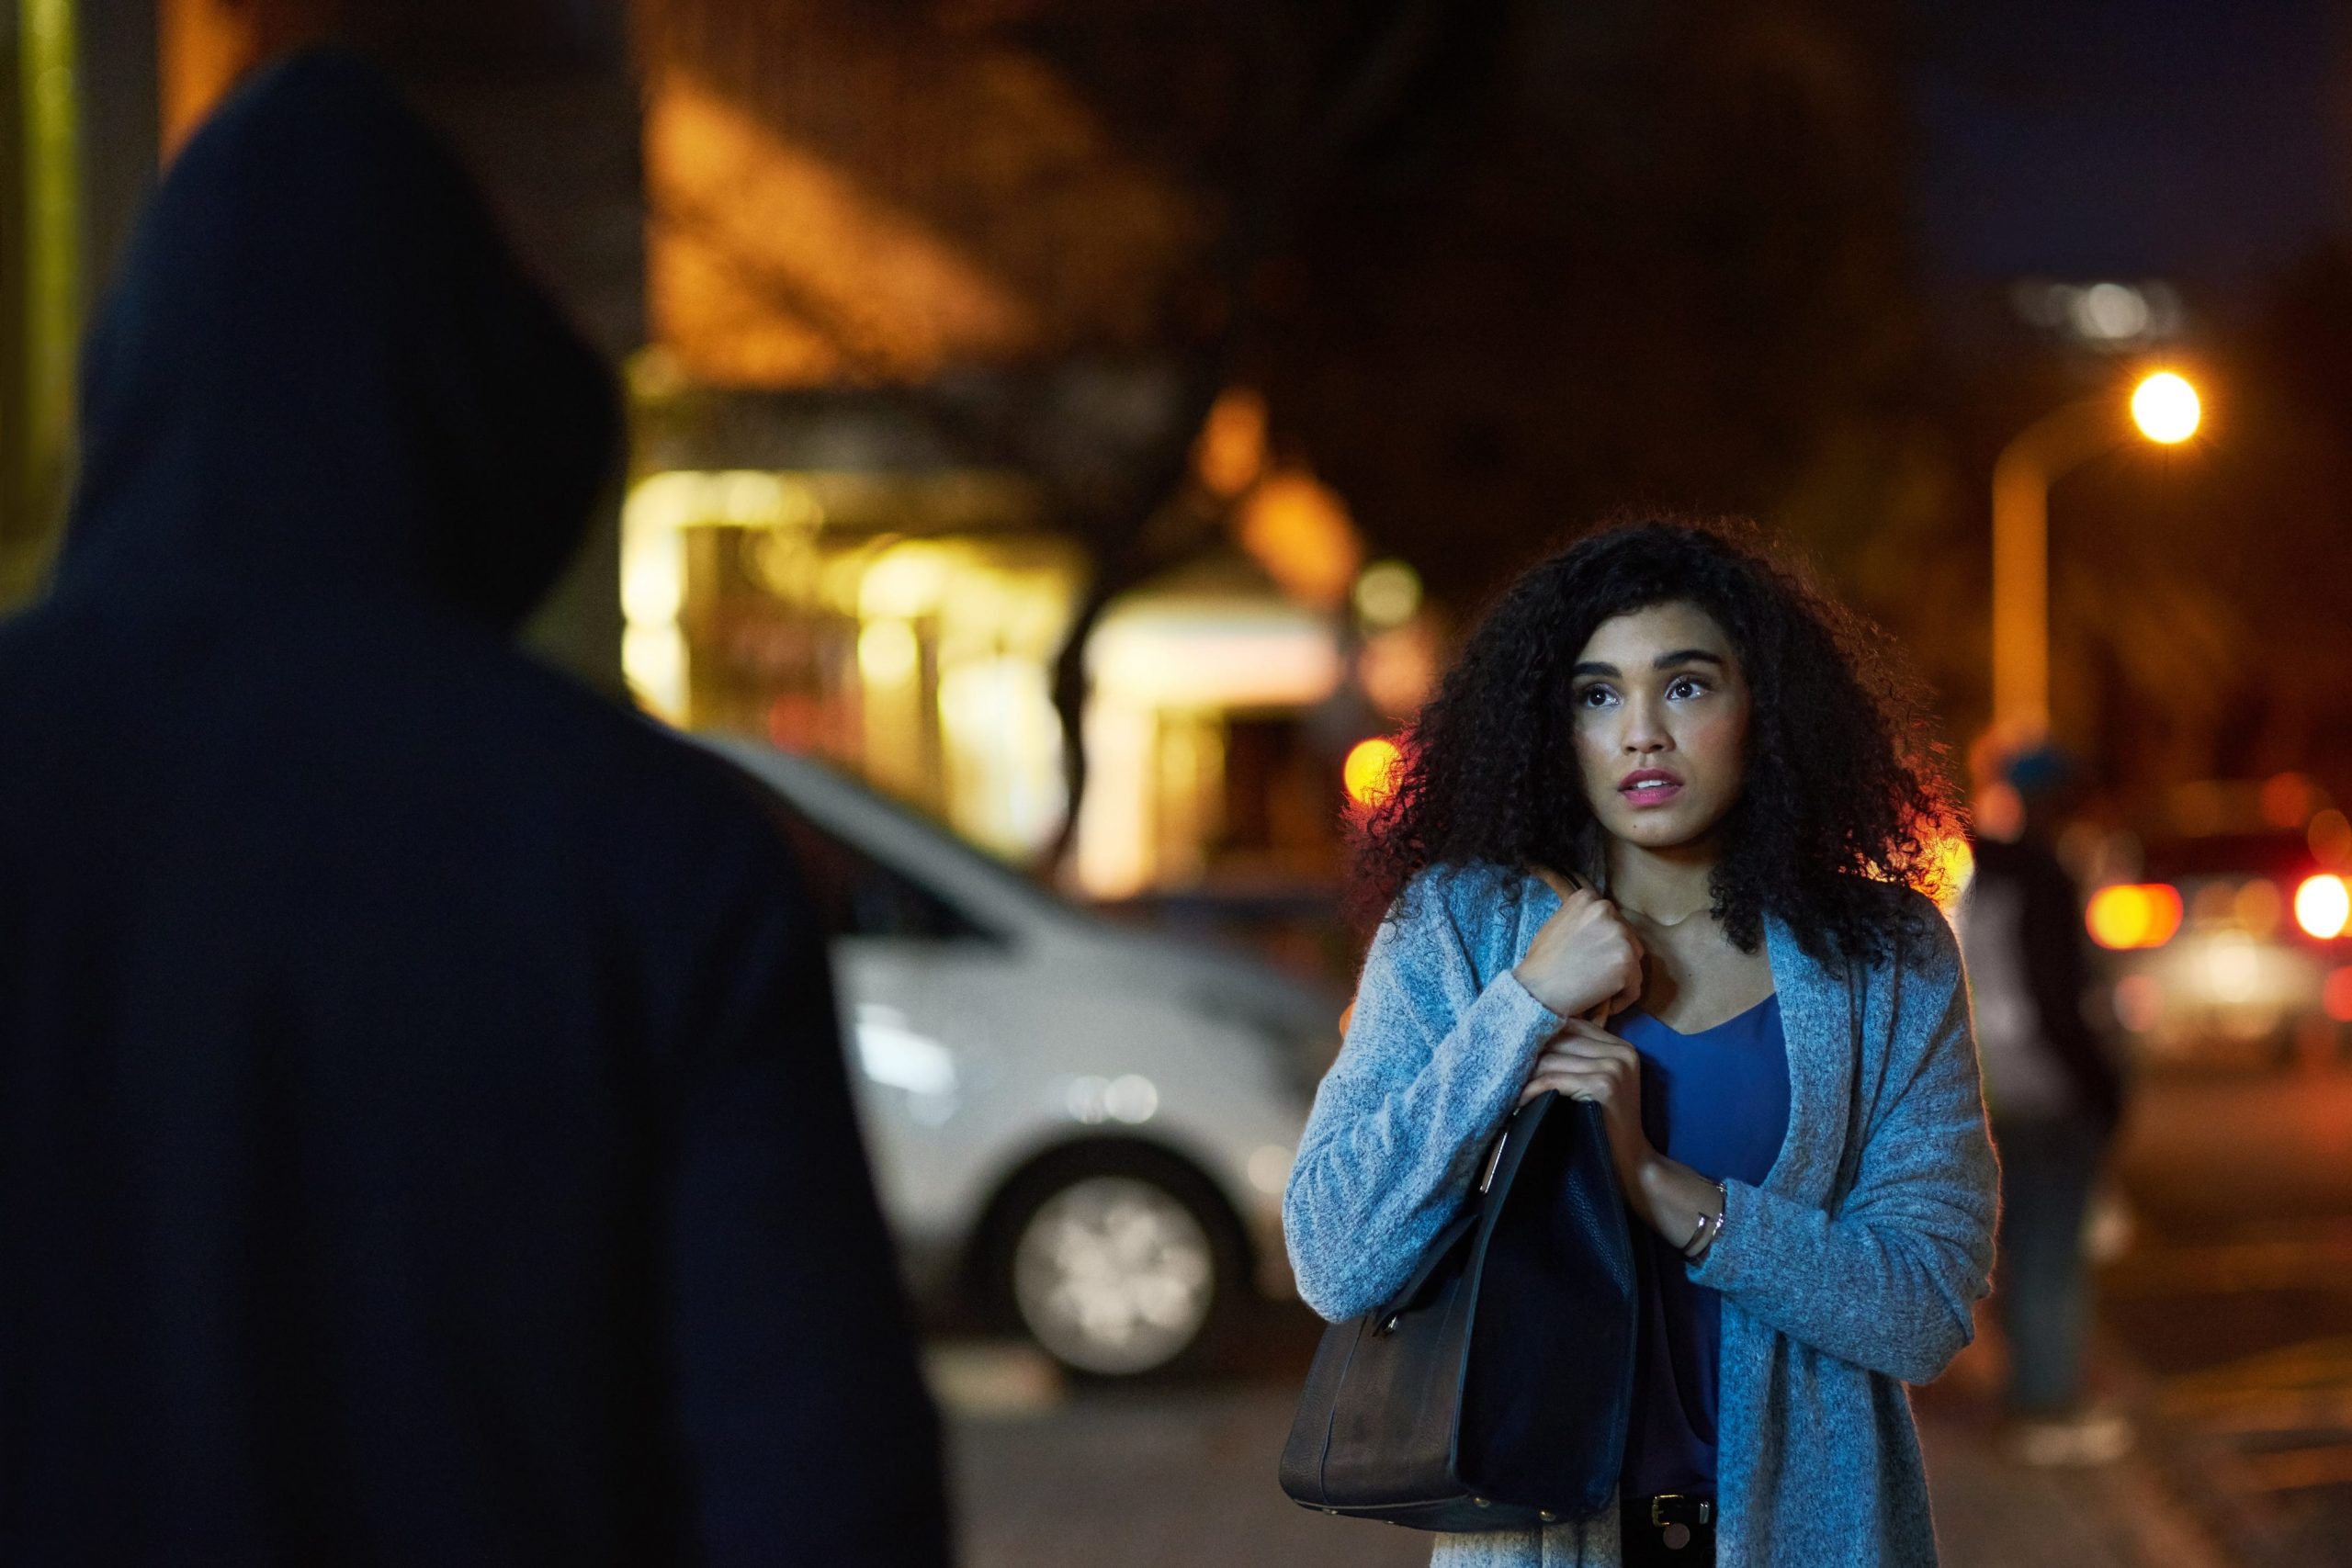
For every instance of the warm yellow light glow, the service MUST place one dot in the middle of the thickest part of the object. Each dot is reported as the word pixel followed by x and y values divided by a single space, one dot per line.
pixel 2133 915
pixel 907 581
pixel 653 578
pixel 1370 770
pixel 654 657
pixel 880 290
pixel 888 653
pixel 1398 667
pixel 1951 864
pixel 2322 904
pixel 1114 825
pixel 1001 742
pixel 1298 529
pixel 2165 408
pixel 1387 593
pixel 746 497
pixel 663 503
pixel 1214 655
pixel 1231 453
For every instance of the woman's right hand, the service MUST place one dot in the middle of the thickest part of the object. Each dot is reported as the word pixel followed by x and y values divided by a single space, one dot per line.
pixel 1585 955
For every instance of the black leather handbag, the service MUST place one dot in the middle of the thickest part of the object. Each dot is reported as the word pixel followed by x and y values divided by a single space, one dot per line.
pixel 1492 1391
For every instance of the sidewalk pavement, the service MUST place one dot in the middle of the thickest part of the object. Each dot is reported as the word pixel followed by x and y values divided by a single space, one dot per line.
pixel 1994 1512
pixel 1177 1476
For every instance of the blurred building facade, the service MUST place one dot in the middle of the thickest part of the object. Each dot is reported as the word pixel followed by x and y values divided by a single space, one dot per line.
pixel 921 363
pixel 913 339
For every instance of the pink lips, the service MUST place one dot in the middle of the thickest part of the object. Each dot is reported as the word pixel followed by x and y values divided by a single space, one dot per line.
pixel 1648 786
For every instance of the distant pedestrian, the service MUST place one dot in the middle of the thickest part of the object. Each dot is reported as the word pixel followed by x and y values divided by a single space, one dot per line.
pixel 1649 847
pixel 424 1134
pixel 2056 1097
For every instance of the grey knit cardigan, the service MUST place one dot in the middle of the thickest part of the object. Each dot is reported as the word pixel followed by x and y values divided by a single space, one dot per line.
pixel 1847 1274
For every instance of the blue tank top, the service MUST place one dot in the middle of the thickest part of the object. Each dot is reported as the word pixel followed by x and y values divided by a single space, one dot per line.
pixel 1718 1101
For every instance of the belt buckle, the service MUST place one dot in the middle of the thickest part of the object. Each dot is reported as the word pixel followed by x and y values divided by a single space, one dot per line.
pixel 1700 1510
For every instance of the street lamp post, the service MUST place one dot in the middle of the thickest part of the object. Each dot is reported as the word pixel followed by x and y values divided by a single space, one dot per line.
pixel 2165 409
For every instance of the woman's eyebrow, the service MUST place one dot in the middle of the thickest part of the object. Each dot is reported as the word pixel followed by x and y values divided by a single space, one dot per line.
pixel 1663 661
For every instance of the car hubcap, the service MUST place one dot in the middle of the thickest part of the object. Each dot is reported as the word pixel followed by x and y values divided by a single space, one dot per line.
pixel 1114 1275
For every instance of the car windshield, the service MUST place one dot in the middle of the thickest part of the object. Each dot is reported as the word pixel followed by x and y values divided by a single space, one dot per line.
pixel 908 823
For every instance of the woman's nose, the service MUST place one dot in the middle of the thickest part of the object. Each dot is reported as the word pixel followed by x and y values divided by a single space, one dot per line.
pixel 1645 728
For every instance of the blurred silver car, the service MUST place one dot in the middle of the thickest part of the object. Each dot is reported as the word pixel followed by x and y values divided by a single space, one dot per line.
pixel 1082 1126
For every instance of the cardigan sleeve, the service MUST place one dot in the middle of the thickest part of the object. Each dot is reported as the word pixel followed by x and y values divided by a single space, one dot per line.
pixel 1887 1280
pixel 1431 1065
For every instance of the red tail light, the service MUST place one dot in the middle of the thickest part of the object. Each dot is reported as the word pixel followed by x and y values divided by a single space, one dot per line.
pixel 2322 905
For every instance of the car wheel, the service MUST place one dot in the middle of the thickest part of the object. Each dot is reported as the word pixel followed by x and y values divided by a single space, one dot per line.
pixel 1118 1267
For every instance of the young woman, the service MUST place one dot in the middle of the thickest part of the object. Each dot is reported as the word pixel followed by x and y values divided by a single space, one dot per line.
pixel 1657 844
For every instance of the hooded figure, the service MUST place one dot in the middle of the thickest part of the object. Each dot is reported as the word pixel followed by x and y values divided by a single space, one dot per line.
pixel 425 1136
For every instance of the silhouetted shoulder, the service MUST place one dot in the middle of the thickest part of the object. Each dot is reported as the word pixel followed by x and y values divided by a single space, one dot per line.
pixel 629 774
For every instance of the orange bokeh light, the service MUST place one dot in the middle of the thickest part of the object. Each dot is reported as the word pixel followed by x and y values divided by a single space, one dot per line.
pixel 1370 770
pixel 1298 530
pixel 2335 995
pixel 1950 864
pixel 2322 905
pixel 2288 800
pixel 1230 454
pixel 2133 915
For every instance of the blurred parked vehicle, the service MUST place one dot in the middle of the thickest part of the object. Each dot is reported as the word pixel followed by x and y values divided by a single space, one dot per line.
pixel 2225 929
pixel 1084 1128
pixel 1295 927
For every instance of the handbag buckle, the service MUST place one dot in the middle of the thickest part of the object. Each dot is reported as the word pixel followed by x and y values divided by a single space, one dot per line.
pixel 1690 1509
pixel 1494 1160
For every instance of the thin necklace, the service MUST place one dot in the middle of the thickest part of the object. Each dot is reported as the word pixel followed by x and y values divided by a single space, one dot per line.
pixel 1610 892
pixel 1666 925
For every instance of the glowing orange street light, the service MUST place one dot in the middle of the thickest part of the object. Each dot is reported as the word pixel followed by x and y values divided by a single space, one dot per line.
pixel 2165 410
pixel 1370 770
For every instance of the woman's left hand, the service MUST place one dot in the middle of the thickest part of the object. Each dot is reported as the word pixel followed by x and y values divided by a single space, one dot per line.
pixel 1585 1061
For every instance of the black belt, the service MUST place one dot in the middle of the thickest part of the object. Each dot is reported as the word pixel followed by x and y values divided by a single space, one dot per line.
pixel 1673 1522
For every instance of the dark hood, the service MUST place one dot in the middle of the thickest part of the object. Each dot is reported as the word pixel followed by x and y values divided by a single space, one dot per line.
pixel 320 368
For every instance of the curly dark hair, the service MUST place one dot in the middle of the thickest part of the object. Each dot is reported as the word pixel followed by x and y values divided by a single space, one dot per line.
pixel 1847 791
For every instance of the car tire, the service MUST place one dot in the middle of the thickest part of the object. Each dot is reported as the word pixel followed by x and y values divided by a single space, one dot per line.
pixel 1119 1263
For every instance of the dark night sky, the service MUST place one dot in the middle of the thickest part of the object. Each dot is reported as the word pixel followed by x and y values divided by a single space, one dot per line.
pixel 2185 138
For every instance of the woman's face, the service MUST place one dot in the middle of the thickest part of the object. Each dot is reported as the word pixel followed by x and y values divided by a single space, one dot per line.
pixel 1660 707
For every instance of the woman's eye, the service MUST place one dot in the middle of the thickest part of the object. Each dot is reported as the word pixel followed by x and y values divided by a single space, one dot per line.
pixel 1585 698
pixel 1686 686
